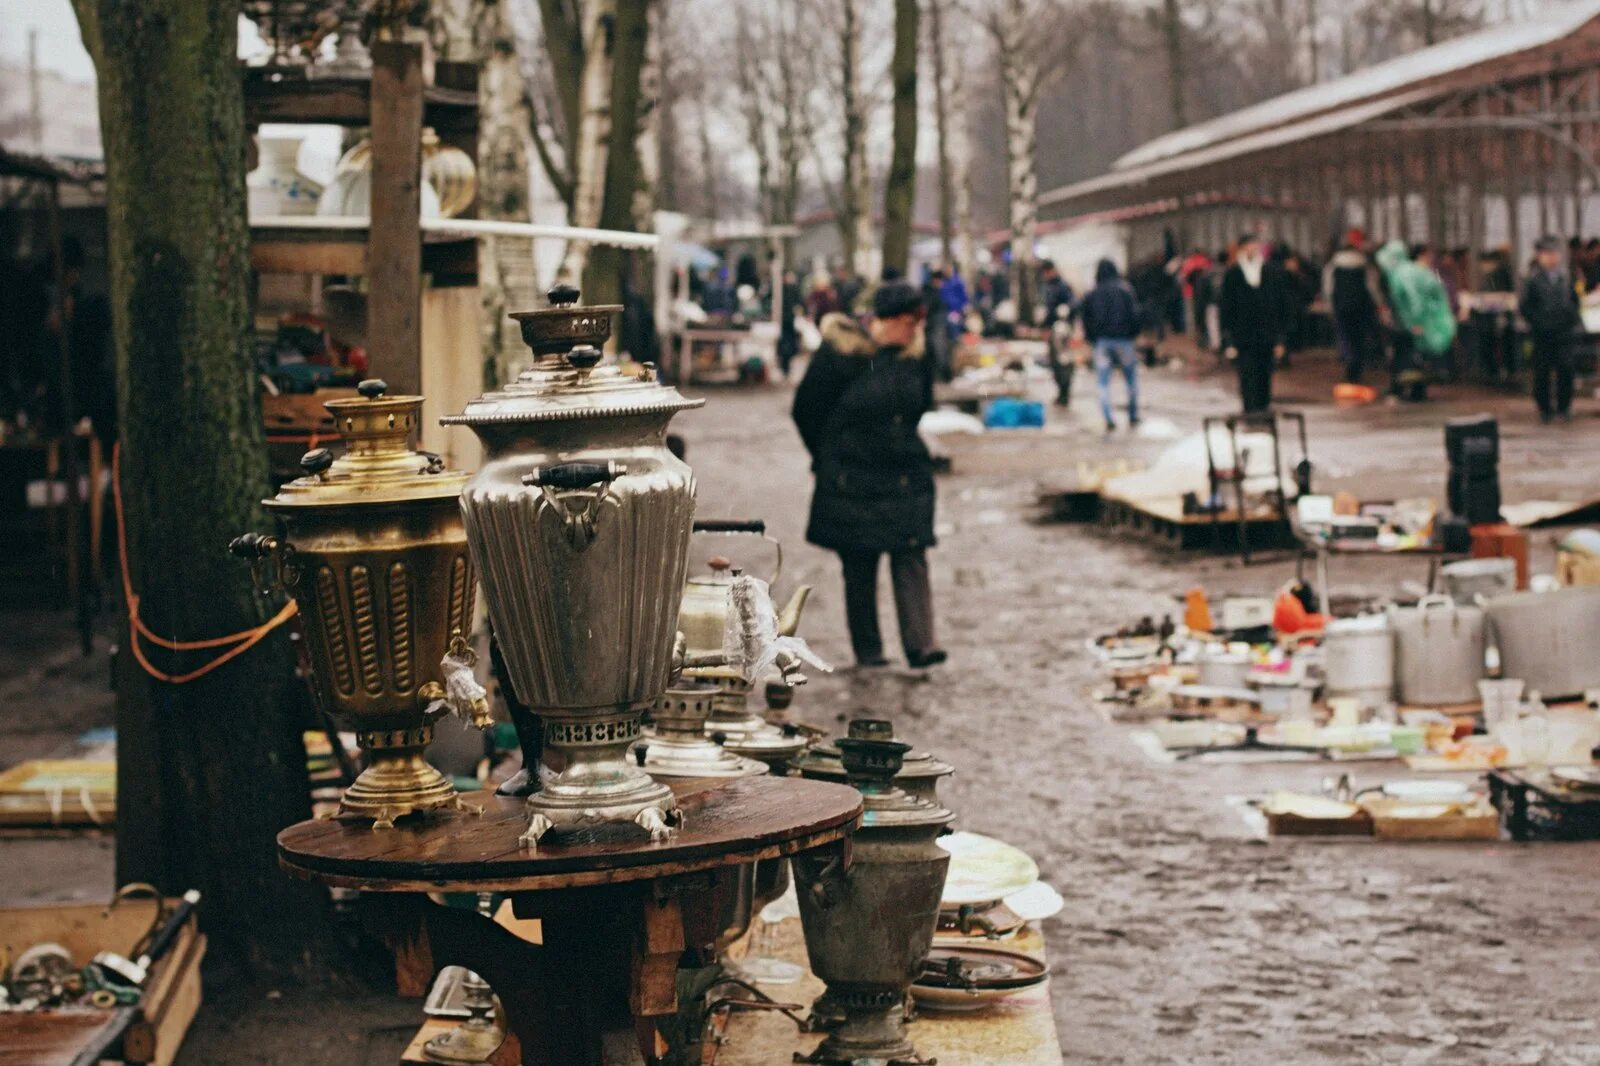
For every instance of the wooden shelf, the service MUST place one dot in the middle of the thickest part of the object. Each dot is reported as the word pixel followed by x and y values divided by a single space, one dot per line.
pixel 450 259
pixel 270 96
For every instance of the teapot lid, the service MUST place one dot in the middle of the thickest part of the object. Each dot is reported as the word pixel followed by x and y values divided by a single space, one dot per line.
pixel 378 465
pixel 722 573
pixel 567 381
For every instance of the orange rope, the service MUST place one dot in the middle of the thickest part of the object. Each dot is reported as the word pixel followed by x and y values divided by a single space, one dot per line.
pixel 243 641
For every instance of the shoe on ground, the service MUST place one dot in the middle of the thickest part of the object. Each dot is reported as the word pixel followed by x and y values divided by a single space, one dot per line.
pixel 1111 427
pixel 923 660
pixel 871 662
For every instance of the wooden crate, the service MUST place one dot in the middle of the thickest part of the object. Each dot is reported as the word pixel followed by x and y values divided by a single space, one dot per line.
pixel 150 1033
pixel 1575 569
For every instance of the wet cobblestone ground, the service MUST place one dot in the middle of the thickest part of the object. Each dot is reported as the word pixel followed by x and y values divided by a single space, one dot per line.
pixel 1183 939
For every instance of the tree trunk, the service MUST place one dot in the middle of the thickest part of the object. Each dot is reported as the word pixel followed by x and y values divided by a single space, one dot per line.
pixel 900 190
pixel 210 770
pixel 504 122
pixel 941 126
pixel 856 219
pixel 1172 38
pixel 628 39
pixel 1019 76
pixel 592 141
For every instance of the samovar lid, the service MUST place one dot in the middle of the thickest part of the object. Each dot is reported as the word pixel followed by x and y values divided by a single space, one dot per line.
pixel 378 465
pixel 871 767
pixel 918 763
pixel 567 381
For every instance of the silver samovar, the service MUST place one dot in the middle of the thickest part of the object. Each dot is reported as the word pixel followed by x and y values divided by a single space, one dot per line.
pixel 868 928
pixel 579 526
pixel 919 774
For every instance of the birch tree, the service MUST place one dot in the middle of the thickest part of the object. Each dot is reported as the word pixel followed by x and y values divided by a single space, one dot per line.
pixel 1025 33
pixel 856 218
pixel 591 139
pixel 946 24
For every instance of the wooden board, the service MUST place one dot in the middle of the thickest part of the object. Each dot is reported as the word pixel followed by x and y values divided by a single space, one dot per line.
pixel 725 822
pixel 58 1037
pixel 59 792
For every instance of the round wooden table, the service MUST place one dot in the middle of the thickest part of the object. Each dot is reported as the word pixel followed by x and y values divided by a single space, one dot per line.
pixel 618 913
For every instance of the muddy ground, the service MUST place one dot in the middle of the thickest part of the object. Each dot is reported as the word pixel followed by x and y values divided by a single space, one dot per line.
pixel 1184 939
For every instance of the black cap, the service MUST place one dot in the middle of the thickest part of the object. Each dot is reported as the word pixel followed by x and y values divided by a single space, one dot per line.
pixel 895 298
pixel 1548 243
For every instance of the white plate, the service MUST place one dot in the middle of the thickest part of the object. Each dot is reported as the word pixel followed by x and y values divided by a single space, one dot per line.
pixel 1427 790
pixel 983 869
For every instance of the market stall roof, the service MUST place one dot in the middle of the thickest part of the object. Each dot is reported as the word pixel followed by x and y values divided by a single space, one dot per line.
pixel 1335 106
pixel 1265 140
pixel 1408 71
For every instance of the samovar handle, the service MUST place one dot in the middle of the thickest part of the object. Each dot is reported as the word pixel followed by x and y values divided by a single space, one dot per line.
pixel 578 516
pixel 272 564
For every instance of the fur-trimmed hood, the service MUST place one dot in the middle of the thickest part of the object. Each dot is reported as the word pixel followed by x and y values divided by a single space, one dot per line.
pixel 846 336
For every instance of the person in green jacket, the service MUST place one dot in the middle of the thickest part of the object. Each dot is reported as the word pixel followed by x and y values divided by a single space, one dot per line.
pixel 1425 328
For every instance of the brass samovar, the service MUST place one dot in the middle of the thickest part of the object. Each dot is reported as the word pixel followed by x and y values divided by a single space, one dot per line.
pixel 869 925
pixel 579 524
pixel 377 559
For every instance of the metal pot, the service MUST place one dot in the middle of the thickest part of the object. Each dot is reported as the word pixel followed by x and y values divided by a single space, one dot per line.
pixel 377 559
pixel 868 927
pixel 1438 651
pixel 1469 579
pixel 1358 660
pixel 1547 639
pixel 1223 669
pixel 579 523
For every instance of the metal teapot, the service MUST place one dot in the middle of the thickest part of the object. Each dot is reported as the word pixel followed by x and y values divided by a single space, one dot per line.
pixel 704 612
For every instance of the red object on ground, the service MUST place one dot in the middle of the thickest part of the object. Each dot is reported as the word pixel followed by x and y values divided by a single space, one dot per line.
pixel 1290 616
pixel 1502 540
pixel 1353 395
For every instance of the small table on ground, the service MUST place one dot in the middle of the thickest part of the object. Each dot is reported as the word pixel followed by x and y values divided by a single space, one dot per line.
pixel 617 911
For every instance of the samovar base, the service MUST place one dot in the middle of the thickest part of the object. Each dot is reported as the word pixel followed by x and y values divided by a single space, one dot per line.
pixel 397 783
pixel 873 1031
pixel 636 798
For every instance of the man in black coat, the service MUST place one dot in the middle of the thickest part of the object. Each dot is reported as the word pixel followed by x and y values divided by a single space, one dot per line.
pixel 857 411
pixel 1549 305
pixel 1255 321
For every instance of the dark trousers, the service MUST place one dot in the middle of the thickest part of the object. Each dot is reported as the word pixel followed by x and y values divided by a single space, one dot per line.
pixel 1552 373
pixel 1255 377
pixel 1354 337
pixel 913 601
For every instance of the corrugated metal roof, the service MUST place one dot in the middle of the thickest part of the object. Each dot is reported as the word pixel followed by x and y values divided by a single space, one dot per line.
pixel 1275 137
pixel 1496 42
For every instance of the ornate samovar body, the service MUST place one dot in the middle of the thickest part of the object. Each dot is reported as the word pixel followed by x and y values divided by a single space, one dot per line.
pixel 376 557
pixel 579 526
pixel 868 927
